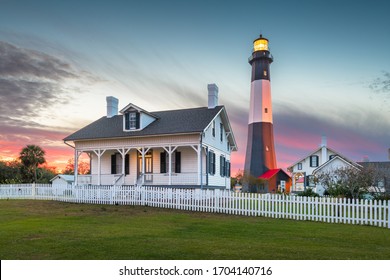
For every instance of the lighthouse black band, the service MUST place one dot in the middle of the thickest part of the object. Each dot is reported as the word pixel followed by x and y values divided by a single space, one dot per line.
pixel 260 151
pixel 260 62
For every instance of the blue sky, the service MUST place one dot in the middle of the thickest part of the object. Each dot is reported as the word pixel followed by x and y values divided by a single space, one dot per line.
pixel 59 59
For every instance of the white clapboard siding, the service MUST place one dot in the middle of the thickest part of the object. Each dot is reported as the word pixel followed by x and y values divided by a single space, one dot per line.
pixel 328 210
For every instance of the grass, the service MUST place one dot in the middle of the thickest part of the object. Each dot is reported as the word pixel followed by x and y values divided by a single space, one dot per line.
pixel 32 229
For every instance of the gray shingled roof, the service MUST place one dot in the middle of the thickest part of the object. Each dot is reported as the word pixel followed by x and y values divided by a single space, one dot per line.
pixel 168 122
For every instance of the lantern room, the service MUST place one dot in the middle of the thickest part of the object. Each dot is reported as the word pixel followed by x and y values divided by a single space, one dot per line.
pixel 260 44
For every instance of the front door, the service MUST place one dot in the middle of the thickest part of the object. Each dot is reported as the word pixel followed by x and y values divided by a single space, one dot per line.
pixel 148 166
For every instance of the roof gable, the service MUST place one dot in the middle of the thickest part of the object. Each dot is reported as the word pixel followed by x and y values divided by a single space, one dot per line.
pixel 271 173
pixel 68 178
pixel 228 129
pixel 316 151
pixel 333 161
pixel 131 106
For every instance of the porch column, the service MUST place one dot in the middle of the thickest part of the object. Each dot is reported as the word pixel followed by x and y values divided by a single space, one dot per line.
pixel 198 150
pixel 143 152
pixel 76 167
pixel 99 153
pixel 200 177
pixel 170 151
pixel 123 153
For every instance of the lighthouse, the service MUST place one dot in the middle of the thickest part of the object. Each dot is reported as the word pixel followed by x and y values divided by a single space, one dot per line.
pixel 260 151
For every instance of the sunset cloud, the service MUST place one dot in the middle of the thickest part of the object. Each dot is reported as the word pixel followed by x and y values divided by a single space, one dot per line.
pixel 30 80
pixel 32 84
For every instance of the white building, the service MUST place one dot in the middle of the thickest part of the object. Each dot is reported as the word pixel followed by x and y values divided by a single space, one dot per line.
pixel 178 148
pixel 323 159
pixel 62 180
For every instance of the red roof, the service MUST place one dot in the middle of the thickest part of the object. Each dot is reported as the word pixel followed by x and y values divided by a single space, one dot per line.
pixel 269 174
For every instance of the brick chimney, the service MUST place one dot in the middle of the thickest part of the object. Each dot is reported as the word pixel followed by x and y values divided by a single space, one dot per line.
pixel 213 95
pixel 112 106
pixel 324 150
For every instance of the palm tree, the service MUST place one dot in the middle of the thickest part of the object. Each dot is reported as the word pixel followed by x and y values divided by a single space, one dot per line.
pixel 31 156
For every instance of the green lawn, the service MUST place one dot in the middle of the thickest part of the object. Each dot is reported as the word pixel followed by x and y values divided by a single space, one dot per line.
pixel 54 230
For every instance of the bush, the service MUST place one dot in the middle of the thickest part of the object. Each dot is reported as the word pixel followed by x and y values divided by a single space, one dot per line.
pixel 308 192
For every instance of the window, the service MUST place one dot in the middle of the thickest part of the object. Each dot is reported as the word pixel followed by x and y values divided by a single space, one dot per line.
pixel 213 128
pixel 331 156
pixel 265 73
pixel 266 110
pixel 221 132
pixel 132 120
pixel 116 164
pixel 222 166
pixel 313 161
pixel 211 163
pixel 175 162
pixel 227 168
pixel 310 181
pixel 300 166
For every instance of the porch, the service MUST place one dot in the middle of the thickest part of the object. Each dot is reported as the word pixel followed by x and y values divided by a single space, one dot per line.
pixel 183 165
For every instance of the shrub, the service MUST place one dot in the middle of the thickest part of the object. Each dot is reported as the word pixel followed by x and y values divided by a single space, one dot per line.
pixel 308 192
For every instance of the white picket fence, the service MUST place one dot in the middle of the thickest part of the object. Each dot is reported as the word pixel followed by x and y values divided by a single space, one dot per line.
pixel 329 210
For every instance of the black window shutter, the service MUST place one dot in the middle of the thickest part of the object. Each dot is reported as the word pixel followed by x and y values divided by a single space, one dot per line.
pixel 221 131
pixel 137 118
pixel 127 164
pixel 207 162
pixel 113 164
pixel 220 166
pixel 163 162
pixel 210 163
pixel 178 162
pixel 127 121
pixel 224 167
pixel 228 169
pixel 213 163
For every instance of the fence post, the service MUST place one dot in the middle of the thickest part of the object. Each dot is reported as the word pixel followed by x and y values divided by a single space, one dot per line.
pixel 33 190
pixel 388 213
pixel 216 198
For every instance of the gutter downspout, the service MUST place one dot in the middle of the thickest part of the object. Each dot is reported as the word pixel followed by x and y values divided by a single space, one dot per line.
pixel 75 163
pixel 201 161
pixel 69 145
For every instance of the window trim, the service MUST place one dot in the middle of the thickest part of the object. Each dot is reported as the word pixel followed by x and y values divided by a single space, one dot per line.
pixel 132 124
pixel 312 163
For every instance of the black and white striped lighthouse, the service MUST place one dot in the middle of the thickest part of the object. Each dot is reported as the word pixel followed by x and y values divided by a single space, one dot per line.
pixel 260 151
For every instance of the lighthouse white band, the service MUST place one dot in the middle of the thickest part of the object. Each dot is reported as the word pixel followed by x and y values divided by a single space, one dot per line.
pixel 260 103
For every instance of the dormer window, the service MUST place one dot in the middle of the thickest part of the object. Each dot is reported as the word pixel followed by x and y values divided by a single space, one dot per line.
pixel 132 120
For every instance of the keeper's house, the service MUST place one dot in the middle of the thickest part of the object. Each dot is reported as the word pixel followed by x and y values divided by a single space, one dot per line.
pixel 178 148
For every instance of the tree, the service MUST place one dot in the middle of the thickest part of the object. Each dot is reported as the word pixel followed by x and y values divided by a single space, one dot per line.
pixel 45 174
pixel 83 167
pixel 253 184
pixel 237 179
pixel 10 172
pixel 31 157
pixel 350 182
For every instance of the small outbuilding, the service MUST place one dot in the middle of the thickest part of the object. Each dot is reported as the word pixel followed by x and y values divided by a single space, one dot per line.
pixel 62 180
pixel 276 180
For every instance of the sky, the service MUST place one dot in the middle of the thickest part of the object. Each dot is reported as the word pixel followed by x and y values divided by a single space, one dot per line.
pixel 330 75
